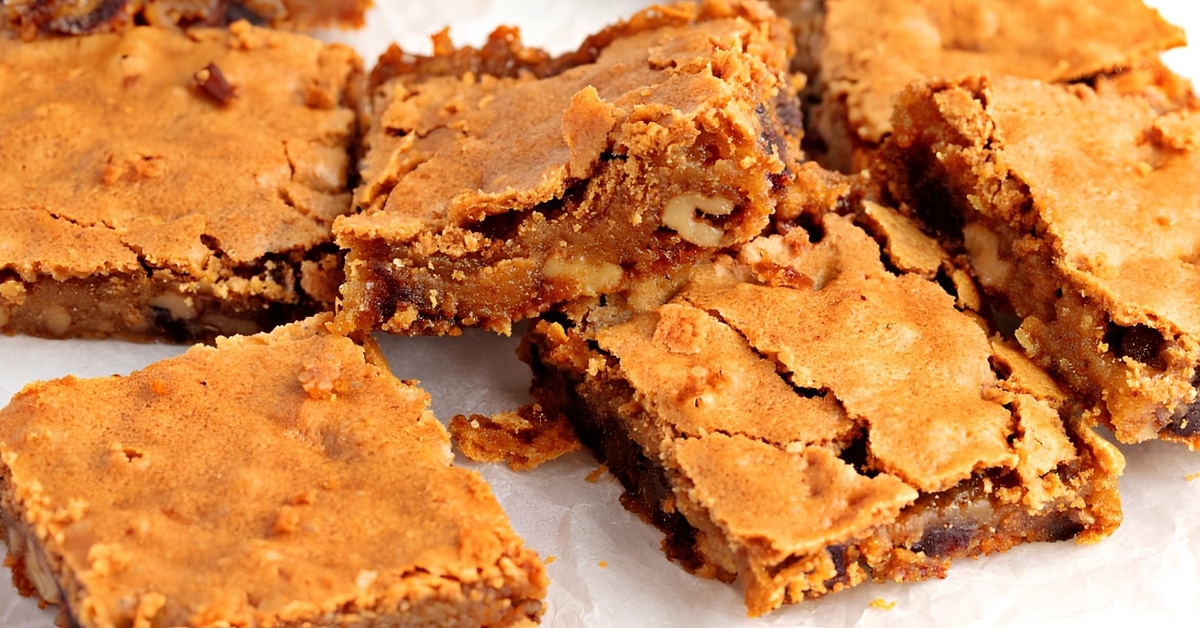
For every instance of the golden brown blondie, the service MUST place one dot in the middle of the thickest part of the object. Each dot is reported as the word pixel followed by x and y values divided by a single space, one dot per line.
pixel 168 185
pixel 274 480
pixel 500 182
pixel 32 18
pixel 805 418
pixel 1080 212
pixel 864 62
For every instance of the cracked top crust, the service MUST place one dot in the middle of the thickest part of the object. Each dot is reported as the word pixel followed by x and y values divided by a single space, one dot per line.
pixel 803 397
pixel 1119 210
pixel 271 480
pixel 455 139
pixel 867 350
pixel 869 62
pixel 117 158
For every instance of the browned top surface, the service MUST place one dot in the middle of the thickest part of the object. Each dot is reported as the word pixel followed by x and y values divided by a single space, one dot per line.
pixel 272 477
pixel 812 498
pixel 1119 208
pixel 448 149
pixel 890 349
pixel 869 61
pixel 29 19
pixel 114 156
pixel 765 370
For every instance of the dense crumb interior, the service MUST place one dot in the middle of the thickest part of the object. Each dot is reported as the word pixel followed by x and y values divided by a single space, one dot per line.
pixel 276 479
pixel 1089 269
pixel 742 421
pixel 491 198
pixel 209 213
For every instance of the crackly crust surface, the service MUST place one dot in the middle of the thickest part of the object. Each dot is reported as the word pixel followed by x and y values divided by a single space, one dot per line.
pixel 1091 237
pixel 500 182
pixel 806 419
pixel 277 479
pixel 146 197
pixel 865 63
pixel 29 19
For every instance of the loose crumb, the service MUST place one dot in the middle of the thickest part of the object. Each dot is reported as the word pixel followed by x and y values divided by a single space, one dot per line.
pixel 882 604
pixel 604 564
pixel 523 439
pixel 596 474
pixel 550 559
pixel 1191 477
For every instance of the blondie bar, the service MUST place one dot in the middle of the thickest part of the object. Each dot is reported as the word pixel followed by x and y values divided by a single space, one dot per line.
pixel 806 419
pixel 169 185
pixel 281 479
pixel 32 18
pixel 864 62
pixel 1080 212
pixel 500 182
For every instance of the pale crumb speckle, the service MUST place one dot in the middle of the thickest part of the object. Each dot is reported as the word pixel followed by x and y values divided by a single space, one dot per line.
pixel 882 604
pixel 1192 477
pixel 596 474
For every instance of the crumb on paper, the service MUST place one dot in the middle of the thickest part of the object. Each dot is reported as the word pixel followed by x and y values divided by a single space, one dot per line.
pixel 1191 477
pixel 882 604
pixel 604 564
pixel 523 439
pixel 550 560
pixel 596 474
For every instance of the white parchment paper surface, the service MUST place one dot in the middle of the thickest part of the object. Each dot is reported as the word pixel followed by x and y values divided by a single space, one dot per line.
pixel 607 568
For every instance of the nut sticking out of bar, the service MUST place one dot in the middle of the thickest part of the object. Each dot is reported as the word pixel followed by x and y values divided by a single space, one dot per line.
pixel 679 214
pixel 211 80
pixel 557 182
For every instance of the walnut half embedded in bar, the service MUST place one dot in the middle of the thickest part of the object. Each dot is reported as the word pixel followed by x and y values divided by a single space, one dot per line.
pixel 501 182
pixel 137 206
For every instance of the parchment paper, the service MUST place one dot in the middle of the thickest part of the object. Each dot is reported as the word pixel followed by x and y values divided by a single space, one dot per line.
pixel 607 569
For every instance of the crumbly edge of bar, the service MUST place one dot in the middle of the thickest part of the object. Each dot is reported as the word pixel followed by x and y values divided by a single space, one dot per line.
pixel 503 54
pixel 506 589
pixel 56 17
pixel 442 281
pixel 162 304
pixel 40 574
pixel 1145 383
pixel 966 521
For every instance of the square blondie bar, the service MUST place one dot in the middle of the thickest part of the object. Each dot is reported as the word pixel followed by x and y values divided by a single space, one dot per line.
pixel 168 185
pixel 29 19
pixel 497 183
pixel 805 418
pixel 862 62
pixel 1080 213
pixel 274 480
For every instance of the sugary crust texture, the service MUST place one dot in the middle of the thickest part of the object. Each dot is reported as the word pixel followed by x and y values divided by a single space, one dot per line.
pixel 275 480
pixel 864 64
pixel 208 212
pixel 819 420
pixel 29 19
pixel 1090 237
pixel 497 183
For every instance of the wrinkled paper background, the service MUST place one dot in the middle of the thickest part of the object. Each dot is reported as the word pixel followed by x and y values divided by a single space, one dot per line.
pixel 607 569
